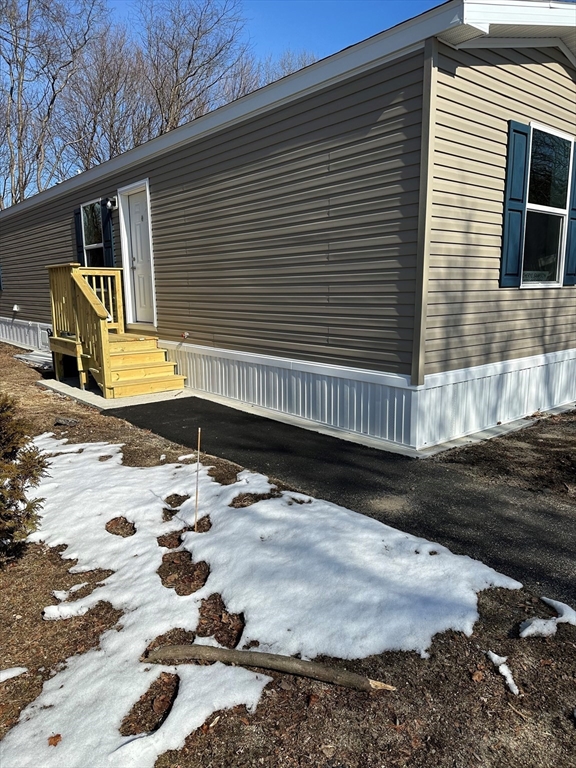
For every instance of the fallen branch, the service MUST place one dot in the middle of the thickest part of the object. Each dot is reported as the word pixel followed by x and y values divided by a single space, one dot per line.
pixel 267 661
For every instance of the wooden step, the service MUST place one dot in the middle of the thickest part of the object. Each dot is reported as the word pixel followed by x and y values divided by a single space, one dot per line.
pixel 113 336
pixel 128 372
pixel 146 386
pixel 120 343
pixel 140 358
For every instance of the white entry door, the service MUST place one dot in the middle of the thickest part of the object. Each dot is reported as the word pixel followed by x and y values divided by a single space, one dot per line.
pixel 140 258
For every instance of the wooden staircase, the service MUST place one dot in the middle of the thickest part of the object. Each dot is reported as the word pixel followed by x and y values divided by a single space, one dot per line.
pixel 138 367
pixel 88 324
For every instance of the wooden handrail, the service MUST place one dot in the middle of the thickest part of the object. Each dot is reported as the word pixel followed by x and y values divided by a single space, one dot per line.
pixel 69 264
pixel 103 271
pixel 106 283
pixel 90 296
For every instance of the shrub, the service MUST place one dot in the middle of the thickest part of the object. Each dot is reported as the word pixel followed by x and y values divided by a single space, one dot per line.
pixel 21 468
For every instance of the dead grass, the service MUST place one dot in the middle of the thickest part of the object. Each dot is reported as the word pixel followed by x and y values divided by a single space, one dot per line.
pixel 42 646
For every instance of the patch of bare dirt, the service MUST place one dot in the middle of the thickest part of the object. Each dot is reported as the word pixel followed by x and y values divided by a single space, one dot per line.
pixel 120 526
pixel 153 707
pixel 179 573
pixel 215 620
pixel 174 539
pixel 175 500
pixel 176 636
pixel 540 458
pixel 247 499
pixel 204 525
pixel 171 540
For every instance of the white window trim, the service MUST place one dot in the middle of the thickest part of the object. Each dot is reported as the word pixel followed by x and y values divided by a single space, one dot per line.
pixel 562 212
pixel 122 194
pixel 94 245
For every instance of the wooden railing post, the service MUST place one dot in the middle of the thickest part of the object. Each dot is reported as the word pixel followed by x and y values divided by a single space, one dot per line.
pixel 119 299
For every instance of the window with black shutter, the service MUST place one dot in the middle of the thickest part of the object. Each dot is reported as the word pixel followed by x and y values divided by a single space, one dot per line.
pixel 539 237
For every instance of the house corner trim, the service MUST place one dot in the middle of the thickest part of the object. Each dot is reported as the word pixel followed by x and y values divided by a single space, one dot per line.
pixel 425 208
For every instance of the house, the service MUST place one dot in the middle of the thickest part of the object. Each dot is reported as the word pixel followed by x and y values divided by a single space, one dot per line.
pixel 382 244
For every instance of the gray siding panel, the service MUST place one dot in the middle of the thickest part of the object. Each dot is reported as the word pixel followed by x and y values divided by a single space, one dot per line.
pixel 470 319
pixel 291 234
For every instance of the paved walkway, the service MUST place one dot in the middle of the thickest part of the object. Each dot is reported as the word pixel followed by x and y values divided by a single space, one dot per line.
pixel 524 535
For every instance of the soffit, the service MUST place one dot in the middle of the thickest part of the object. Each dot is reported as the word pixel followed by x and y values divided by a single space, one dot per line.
pixel 486 20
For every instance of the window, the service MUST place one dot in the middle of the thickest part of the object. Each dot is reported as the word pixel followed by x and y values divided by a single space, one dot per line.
pixel 94 234
pixel 93 237
pixel 539 239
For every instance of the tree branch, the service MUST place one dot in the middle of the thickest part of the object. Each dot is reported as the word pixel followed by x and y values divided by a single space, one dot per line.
pixel 286 664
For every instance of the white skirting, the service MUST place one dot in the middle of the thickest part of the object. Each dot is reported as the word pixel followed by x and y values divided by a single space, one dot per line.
pixel 361 404
pixel 24 333
pixel 462 402
pixel 382 406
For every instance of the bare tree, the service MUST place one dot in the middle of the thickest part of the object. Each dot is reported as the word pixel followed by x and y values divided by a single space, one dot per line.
pixel 75 92
pixel 189 47
pixel 250 73
pixel 108 107
pixel 40 45
pixel 288 62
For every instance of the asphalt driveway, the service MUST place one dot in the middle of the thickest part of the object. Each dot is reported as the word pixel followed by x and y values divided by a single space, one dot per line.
pixel 528 536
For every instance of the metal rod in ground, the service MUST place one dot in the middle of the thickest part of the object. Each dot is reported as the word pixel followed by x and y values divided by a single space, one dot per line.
pixel 197 477
pixel 275 661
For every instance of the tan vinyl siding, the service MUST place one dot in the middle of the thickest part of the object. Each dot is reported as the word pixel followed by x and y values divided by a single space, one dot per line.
pixel 291 234
pixel 470 319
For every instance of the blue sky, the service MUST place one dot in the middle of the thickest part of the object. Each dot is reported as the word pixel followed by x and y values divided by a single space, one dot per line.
pixel 322 27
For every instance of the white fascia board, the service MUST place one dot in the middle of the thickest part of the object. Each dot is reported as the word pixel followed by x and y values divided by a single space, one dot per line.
pixel 379 49
pixel 519 12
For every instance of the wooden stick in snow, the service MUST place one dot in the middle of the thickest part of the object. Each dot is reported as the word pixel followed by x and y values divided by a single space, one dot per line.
pixel 267 661
pixel 197 476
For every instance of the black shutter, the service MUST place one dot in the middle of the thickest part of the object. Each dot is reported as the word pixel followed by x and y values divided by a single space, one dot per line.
pixel 570 262
pixel 107 234
pixel 79 238
pixel 516 193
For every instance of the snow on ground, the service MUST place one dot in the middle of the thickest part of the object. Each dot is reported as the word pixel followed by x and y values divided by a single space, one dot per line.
pixel 547 627
pixel 500 664
pixel 310 577
pixel 8 674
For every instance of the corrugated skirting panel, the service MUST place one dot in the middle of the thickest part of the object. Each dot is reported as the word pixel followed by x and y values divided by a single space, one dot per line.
pixel 361 407
pixel 24 333
pixel 484 399
pixel 450 405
